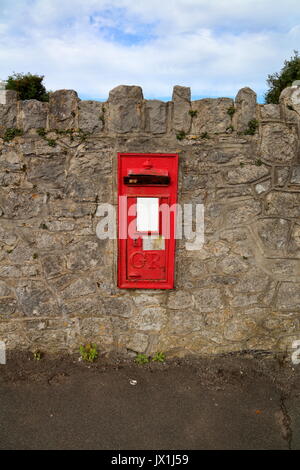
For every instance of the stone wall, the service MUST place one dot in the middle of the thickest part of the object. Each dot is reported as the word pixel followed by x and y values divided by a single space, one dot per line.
pixel 58 280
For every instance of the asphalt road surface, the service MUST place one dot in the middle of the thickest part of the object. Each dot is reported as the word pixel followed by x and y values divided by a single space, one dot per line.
pixel 226 403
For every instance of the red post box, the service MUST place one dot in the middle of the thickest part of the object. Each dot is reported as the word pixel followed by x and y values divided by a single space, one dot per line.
pixel 147 195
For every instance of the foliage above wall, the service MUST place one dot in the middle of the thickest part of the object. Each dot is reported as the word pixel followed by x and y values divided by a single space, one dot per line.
pixel 278 81
pixel 29 86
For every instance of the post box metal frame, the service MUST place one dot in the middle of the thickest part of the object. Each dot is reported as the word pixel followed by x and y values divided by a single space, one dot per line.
pixel 146 175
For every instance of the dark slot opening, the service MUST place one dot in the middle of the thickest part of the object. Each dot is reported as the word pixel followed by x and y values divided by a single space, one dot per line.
pixel 144 180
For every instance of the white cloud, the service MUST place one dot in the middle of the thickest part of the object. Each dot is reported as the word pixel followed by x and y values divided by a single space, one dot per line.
pixel 91 46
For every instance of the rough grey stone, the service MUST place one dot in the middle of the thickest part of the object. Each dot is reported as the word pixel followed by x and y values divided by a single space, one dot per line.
pixel 78 288
pixel 10 179
pixel 273 234
pixel 147 299
pixel 279 143
pixel 289 295
pixel 125 109
pixel 41 149
pixel 8 116
pixel 245 105
pixel 270 111
pixel 8 307
pixel 152 319
pixel 98 331
pixel 156 116
pixel 68 208
pixel 246 174
pixel 21 204
pixel 283 204
pixel 11 97
pixel 19 271
pixel 120 306
pixel 60 225
pixel 181 106
pixel 281 175
pixel 283 269
pixel 86 254
pixel 290 97
pixel 240 329
pixel 11 160
pixel 181 93
pixel 8 234
pixel 185 322
pixel 35 299
pixel 5 290
pixel 234 264
pixel 91 116
pixel 33 114
pixel 263 187
pixel 180 300
pixel 295 178
pixel 296 234
pixel 212 115
pixel 243 212
pixel 208 300
pixel 63 109
pixel 47 171
pixel 137 342
pixel 87 306
pixel 53 265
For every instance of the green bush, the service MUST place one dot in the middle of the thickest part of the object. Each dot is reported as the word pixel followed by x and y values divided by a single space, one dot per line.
pixel 287 75
pixel 29 86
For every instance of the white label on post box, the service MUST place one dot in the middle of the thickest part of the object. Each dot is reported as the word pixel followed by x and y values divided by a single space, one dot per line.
pixel 147 209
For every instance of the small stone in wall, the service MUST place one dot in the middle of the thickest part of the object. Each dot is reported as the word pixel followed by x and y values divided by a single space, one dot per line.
pixel 243 212
pixel 91 116
pixel 283 204
pixel 149 318
pixel 273 233
pixel 288 295
pixel 263 187
pixel 208 300
pixel 279 143
pixel 33 114
pixel 125 109
pixel 295 178
pixel 181 106
pixel 63 109
pixel 246 173
pixel 137 342
pixel 245 104
pixel 281 175
pixel 270 111
pixel 156 116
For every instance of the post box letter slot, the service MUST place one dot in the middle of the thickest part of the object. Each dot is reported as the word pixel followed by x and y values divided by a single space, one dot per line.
pixel 147 180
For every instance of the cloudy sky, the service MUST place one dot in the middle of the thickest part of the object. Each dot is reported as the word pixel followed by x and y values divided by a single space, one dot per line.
pixel 213 46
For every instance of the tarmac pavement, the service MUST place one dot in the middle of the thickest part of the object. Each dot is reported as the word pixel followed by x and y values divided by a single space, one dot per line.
pixel 223 404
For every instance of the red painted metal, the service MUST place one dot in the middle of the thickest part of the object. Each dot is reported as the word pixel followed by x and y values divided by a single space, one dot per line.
pixel 139 267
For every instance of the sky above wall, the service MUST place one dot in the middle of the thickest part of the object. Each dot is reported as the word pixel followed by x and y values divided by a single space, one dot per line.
pixel 216 47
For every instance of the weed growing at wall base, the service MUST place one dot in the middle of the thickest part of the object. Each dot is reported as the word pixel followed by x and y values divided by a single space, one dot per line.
pixel 2 353
pixel 88 352
pixel 141 359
